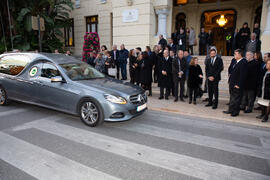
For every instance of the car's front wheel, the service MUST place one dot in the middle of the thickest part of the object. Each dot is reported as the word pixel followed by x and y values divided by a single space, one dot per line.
pixel 90 113
pixel 3 96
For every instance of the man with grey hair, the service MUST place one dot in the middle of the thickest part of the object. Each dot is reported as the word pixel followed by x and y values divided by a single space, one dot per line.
pixel 115 57
pixel 253 45
pixel 165 75
pixel 252 81
pixel 123 56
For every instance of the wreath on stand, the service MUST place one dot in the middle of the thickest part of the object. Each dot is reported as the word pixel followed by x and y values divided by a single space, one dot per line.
pixel 91 44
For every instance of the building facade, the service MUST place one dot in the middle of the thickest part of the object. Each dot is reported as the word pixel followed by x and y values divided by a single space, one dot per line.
pixel 137 23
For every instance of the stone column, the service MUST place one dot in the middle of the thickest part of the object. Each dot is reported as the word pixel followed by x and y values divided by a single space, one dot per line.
pixel 267 27
pixel 162 21
pixel 265 38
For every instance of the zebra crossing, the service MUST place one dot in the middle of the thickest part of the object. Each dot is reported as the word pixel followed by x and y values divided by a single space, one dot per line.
pixel 153 146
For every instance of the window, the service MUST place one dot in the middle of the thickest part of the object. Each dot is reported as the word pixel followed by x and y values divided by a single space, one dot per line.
pixel 211 1
pixel 180 2
pixel 69 33
pixel 13 64
pixel 81 71
pixel 49 71
pixel 92 24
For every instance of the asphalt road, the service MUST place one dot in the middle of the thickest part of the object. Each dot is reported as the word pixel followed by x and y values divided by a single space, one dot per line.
pixel 37 143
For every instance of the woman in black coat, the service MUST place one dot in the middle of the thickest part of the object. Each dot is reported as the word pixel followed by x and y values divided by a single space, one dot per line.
pixel 264 101
pixel 132 61
pixel 244 35
pixel 109 63
pixel 146 73
pixel 137 67
pixel 195 78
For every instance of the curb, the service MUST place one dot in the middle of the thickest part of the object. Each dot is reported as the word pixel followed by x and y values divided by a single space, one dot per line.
pixel 167 110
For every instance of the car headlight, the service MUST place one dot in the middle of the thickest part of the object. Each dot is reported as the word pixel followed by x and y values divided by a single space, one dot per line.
pixel 115 99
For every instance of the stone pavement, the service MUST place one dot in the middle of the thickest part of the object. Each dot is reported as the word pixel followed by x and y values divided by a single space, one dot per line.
pixel 199 110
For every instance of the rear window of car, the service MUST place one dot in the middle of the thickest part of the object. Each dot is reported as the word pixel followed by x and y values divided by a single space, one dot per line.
pixel 13 64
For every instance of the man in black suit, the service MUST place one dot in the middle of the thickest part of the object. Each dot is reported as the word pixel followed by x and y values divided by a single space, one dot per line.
pixel 237 82
pixel 213 68
pixel 165 75
pixel 162 41
pixel 115 57
pixel 179 66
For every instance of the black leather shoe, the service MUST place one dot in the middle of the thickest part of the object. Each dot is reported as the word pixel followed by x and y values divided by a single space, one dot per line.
pixel 161 97
pixel 175 100
pixel 257 108
pixel 248 111
pixel 190 102
pixel 214 107
pixel 208 105
pixel 227 112
pixel 260 116
pixel 265 119
pixel 194 103
pixel 234 114
pixel 166 98
pixel 205 100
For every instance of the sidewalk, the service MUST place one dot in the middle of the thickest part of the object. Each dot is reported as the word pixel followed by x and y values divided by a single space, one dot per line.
pixel 199 110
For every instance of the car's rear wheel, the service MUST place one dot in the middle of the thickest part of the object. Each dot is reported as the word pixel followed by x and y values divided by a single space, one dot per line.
pixel 90 113
pixel 3 96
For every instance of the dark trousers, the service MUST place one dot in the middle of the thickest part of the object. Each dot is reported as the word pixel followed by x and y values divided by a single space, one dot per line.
pixel 123 67
pixel 162 91
pixel 248 99
pixel 155 75
pixel 181 82
pixel 118 70
pixel 193 93
pixel 132 77
pixel 213 91
pixel 228 50
pixel 235 100
pixel 190 49
pixel 181 47
pixel 202 48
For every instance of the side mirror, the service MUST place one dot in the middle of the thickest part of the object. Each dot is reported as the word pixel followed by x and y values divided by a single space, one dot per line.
pixel 57 79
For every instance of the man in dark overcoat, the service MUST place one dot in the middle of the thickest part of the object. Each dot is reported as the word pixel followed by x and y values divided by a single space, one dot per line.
pixel 251 84
pixel 165 75
pixel 179 66
pixel 237 83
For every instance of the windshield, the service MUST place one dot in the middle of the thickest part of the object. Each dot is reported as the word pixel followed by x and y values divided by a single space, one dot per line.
pixel 81 71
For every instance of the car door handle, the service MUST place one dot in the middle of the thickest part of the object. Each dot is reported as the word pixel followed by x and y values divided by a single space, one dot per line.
pixel 39 83
pixel 25 81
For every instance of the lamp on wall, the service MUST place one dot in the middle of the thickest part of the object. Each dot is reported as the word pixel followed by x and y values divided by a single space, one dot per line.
pixel 222 21
pixel 129 2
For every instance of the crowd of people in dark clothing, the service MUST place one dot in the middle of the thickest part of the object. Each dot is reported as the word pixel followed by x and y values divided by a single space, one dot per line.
pixel 178 74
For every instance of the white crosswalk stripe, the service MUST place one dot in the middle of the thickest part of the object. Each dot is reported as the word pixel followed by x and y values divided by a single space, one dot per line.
pixel 175 162
pixel 227 145
pixel 43 164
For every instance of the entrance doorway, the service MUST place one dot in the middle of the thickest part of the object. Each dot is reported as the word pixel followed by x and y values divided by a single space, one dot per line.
pixel 180 21
pixel 209 21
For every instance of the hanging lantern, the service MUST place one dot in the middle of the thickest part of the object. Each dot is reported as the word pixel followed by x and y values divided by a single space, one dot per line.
pixel 222 21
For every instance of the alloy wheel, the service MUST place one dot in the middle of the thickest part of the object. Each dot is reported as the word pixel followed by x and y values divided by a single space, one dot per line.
pixel 2 96
pixel 89 113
